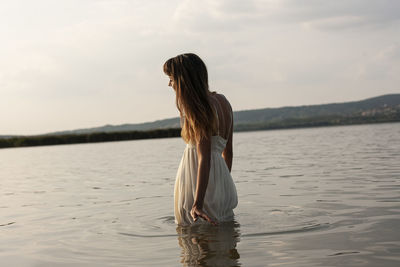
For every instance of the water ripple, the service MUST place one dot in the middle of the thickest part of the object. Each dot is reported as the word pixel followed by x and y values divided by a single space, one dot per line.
pixel 314 227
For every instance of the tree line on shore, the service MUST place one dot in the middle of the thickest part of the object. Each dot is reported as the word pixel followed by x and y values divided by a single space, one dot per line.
pixel 44 140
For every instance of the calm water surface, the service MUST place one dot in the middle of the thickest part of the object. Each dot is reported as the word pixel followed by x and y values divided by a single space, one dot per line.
pixel 307 197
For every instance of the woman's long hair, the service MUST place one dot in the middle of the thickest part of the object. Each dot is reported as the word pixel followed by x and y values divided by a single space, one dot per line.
pixel 190 78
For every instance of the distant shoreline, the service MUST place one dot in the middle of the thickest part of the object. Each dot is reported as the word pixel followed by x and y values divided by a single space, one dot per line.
pixel 48 140
pixel 384 107
pixel 322 121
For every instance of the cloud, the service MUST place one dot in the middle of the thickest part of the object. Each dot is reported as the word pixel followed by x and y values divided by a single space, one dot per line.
pixel 336 23
pixel 213 16
pixel 234 15
pixel 341 14
pixel 382 65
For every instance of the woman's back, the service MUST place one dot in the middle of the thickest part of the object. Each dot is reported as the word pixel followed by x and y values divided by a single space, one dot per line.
pixel 224 114
pixel 224 124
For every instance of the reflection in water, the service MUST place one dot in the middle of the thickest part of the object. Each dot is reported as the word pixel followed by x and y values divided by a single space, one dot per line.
pixel 206 245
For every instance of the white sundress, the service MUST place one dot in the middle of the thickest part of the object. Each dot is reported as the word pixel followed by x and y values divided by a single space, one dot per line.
pixel 220 198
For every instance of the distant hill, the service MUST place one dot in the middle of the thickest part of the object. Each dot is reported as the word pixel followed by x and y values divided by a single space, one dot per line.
pixel 302 112
pixel 8 136
pixel 159 124
pixel 378 109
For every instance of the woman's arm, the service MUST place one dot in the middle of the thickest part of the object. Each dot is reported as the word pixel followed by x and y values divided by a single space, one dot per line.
pixel 227 154
pixel 203 173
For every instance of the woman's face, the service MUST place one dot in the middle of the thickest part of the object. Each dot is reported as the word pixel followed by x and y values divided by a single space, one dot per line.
pixel 171 82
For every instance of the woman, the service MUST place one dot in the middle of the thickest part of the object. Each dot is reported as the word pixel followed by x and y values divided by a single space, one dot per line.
pixel 204 187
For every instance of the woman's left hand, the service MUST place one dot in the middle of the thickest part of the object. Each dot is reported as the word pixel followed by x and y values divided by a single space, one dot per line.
pixel 197 212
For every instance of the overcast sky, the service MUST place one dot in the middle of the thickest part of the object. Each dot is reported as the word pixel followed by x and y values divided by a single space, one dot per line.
pixel 84 63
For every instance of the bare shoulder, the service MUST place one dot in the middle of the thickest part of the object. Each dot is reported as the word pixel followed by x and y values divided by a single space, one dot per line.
pixel 223 100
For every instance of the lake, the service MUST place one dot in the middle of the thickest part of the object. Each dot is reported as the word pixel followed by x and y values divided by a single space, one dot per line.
pixel 307 197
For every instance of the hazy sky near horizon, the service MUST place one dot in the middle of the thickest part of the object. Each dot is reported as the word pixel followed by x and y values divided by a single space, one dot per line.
pixel 75 64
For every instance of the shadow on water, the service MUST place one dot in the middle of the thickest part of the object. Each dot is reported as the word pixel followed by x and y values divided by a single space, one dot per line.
pixel 206 245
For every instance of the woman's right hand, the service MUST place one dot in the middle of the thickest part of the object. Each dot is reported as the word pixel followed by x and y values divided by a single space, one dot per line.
pixel 197 212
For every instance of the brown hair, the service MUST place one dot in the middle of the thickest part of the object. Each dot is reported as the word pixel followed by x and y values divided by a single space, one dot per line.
pixel 190 77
